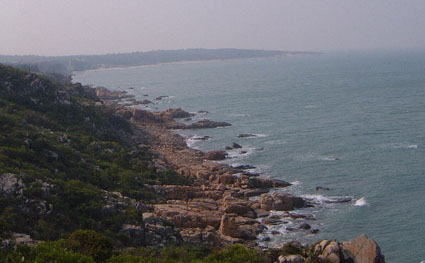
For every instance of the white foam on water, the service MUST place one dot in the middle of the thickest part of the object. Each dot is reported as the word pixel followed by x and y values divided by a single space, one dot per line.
pixel 237 153
pixel 399 145
pixel 191 140
pixel 313 157
pixel 328 158
pixel 321 199
pixel 238 115
pixel 361 202
pixel 296 183
pixel 310 106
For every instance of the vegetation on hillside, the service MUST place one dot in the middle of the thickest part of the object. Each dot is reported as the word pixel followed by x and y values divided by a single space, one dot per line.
pixel 89 247
pixel 68 156
pixel 63 159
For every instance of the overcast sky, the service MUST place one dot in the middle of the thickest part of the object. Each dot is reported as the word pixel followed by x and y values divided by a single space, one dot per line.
pixel 64 27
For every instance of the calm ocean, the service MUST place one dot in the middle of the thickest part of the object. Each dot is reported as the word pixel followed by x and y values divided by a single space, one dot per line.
pixel 352 122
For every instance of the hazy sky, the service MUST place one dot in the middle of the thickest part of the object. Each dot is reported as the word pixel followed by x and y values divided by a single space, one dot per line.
pixel 64 27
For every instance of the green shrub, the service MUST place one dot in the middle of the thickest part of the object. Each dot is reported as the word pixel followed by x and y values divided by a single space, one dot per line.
pixel 235 254
pixel 90 243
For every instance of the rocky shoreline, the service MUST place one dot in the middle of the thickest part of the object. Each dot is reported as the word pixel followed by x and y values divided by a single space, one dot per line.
pixel 218 208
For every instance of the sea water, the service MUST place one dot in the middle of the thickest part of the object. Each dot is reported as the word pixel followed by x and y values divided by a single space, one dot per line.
pixel 351 122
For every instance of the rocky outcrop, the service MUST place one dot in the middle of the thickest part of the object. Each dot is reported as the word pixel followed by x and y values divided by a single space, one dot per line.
pixel 291 259
pixel 177 113
pixel 246 135
pixel 363 250
pixel 280 202
pixel 358 250
pixel 215 155
pixel 239 227
pixel 216 209
pixel 255 182
pixel 330 251
pixel 10 185
pixel 105 94
pixel 19 239
pixel 207 124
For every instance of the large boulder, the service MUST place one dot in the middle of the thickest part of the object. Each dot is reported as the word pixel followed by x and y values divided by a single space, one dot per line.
pixel 280 202
pixel 363 250
pixel 329 251
pixel 177 113
pixel 204 124
pixel 358 250
pixel 255 182
pixel 290 259
pixel 215 155
pixel 239 227
pixel 237 206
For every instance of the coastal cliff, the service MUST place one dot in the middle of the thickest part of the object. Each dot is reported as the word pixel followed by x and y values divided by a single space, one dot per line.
pixel 73 158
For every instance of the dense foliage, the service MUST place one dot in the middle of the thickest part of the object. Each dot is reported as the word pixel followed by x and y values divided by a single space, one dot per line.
pixel 68 156
pixel 89 246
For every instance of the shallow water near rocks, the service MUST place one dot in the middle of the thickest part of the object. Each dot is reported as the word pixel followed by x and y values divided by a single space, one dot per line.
pixel 352 122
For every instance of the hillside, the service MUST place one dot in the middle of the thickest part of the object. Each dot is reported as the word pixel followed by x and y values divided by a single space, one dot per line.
pixel 61 157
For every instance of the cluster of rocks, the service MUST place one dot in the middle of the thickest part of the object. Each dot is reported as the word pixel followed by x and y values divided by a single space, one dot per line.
pixel 217 209
pixel 105 94
pixel 359 250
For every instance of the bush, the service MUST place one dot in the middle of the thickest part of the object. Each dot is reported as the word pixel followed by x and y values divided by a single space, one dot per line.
pixel 92 244
pixel 236 254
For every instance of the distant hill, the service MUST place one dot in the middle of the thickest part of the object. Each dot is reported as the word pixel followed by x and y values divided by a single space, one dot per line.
pixel 67 64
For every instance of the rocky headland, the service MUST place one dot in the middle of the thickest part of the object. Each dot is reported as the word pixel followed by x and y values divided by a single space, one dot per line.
pixel 218 208
pixel 75 158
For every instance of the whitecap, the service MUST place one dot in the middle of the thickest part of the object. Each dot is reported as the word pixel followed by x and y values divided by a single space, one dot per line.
pixel 191 140
pixel 296 183
pixel 361 202
pixel 238 115
pixel 328 158
pixel 310 106
pixel 311 157
pixel 400 145
pixel 320 199
pixel 241 153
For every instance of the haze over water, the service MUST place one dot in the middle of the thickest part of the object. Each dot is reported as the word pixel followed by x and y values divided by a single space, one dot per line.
pixel 353 122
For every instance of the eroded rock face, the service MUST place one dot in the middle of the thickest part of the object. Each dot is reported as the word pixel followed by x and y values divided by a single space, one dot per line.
pixel 363 250
pixel 9 184
pixel 239 227
pixel 280 202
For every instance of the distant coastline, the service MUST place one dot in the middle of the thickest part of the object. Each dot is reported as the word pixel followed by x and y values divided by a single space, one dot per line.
pixel 189 62
pixel 66 65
